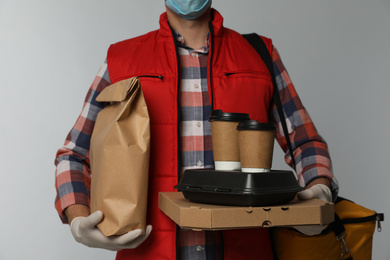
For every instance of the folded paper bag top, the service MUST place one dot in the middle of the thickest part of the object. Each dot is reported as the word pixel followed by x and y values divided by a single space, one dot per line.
pixel 119 156
pixel 119 91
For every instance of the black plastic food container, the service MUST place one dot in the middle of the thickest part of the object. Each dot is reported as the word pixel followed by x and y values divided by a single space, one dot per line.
pixel 235 188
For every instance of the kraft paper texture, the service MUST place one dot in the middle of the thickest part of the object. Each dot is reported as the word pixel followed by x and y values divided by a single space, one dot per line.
pixel 256 148
pixel 225 141
pixel 119 155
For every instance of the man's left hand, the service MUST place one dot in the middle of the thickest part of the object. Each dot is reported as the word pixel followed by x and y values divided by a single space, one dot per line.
pixel 315 191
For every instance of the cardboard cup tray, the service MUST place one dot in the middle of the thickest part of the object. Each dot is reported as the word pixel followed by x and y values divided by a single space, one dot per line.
pixel 199 216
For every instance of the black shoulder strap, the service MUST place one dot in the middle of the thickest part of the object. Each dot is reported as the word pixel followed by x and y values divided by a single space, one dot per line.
pixel 259 45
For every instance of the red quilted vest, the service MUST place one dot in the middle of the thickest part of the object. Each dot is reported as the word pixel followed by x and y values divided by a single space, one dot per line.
pixel 238 81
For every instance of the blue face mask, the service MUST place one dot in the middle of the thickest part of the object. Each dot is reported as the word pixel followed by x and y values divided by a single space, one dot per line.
pixel 188 9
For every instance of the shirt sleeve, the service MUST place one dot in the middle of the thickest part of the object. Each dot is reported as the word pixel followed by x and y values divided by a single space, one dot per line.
pixel 309 148
pixel 73 179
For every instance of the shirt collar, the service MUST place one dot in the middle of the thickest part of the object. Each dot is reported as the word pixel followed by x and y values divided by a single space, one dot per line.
pixel 180 41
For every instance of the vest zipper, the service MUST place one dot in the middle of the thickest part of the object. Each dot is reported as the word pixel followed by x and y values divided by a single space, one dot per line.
pixel 178 104
pixel 211 28
pixel 178 122
pixel 161 77
pixel 152 76
pixel 228 74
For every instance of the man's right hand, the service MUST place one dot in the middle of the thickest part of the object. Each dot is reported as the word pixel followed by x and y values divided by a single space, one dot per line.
pixel 85 231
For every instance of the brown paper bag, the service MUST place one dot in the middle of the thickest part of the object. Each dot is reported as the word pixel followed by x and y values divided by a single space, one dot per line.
pixel 119 155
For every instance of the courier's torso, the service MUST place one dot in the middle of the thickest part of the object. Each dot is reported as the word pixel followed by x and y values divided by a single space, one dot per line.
pixel 238 81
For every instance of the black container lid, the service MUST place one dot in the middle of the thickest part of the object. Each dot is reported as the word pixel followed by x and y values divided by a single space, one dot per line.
pixel 254 125
pixel 235 188
pixel 275 181
pixel 218 115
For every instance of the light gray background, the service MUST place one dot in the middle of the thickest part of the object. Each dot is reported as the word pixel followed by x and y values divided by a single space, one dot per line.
pixel 336 51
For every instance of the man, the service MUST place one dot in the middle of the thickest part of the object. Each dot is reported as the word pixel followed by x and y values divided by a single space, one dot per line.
pixel 188 67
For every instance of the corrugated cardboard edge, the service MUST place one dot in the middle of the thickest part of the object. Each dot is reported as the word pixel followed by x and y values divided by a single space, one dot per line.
pixel 214 217
pixel 190 216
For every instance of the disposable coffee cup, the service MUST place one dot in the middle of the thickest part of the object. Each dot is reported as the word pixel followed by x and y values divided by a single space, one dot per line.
pixel 256 145
pixel 225 139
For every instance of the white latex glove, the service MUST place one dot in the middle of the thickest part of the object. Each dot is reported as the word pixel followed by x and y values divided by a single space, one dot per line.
pixel 318 191
pixel 85 232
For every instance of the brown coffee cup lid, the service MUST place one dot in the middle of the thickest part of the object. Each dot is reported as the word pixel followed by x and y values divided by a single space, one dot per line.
pixel 255 125
pixel 218 115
